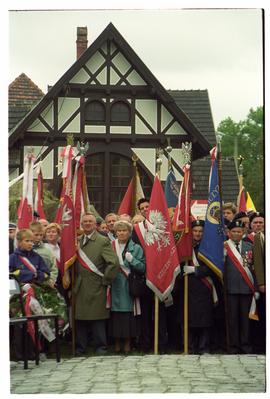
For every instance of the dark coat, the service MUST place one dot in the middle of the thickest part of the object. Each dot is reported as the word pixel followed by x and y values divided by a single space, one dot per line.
pixel 25 275
pixel 200 300
pixel 259 261
pixel 234 279
pixel 90 289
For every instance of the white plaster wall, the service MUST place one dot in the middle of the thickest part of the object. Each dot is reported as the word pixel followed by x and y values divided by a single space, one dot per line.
pixel 94 129
pixel 121 63
pixel 80 77
pixel 148 109
pixel 120 129
pixel 95 62
pixel 66 107
pixel 135 79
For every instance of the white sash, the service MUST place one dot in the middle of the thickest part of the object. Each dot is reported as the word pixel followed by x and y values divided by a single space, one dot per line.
pixel 240 260
pixel 87 263
pixel 191 269
pixel 28 264
pixel 126 272
pixel 245 272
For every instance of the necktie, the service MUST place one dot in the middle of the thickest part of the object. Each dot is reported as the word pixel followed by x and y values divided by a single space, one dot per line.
pixel 85 240
pixel 237 247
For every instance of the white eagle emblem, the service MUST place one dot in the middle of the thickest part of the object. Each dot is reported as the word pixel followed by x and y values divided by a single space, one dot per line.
pixel 66 216
pixel 156 230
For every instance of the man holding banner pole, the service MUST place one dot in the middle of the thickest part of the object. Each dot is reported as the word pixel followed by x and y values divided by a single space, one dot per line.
pixel 97 265
pixel 155 235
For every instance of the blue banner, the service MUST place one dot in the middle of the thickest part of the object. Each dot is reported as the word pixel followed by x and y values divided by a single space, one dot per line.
pixel 171 189
pixel 211 250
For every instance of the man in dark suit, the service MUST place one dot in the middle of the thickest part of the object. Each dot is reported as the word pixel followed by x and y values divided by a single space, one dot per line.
pixel 241 285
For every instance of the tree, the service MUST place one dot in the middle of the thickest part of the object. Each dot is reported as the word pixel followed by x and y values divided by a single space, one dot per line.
pixel 15 192
pixel 247 136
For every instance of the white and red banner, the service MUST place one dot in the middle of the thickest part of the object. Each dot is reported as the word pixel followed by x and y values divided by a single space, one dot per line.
pixel 182 219
pixel 66 155
pixel 25 209
pixel 38 206
pixel 68 239
pixel 162 264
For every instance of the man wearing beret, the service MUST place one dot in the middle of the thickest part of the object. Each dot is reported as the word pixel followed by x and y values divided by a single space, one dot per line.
pixel 256 224
pixel 241 288
pixel 244 218
pixel 201 297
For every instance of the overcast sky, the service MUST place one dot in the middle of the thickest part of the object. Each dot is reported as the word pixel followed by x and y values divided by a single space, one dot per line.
pixel 219 50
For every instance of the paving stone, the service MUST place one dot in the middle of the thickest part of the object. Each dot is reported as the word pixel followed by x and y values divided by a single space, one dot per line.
pixel 179 389
pixel 129 390
pixel 26 390
pixel 142 374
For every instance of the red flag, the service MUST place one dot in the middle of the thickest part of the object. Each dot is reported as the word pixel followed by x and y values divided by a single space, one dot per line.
pixel 160 251
pixel 133 194
pixel 68 239
pixel 25 209
pixel 241 200
pixel 25 214
pixel 182 219
pixel 127 201
pixel 39 195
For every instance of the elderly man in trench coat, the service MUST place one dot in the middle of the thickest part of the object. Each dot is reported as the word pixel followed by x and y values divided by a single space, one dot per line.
pixel 97 266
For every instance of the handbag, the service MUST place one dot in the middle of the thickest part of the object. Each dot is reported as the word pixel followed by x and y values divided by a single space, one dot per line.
pixel 137 284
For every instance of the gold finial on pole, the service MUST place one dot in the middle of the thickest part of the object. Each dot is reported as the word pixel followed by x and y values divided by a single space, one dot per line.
pixel 159 153
pixel 241 169
pixel 70 139
pixel 134 159
pixel 169 150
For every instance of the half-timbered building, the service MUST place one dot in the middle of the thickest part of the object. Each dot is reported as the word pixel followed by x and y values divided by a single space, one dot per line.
pixel 110 99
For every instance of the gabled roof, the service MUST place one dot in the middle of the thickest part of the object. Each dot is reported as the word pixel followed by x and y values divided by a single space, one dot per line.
pixel 111 33
pixel 23 94
pixel 200 170
pixel 196 104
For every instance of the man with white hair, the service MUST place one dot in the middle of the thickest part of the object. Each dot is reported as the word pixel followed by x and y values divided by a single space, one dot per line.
pixel 97 266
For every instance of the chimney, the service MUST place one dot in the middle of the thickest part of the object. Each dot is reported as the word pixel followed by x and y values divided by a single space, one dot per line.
pixel 81 41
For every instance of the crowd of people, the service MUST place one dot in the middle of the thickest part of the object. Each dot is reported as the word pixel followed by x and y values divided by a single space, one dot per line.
pixel 223 317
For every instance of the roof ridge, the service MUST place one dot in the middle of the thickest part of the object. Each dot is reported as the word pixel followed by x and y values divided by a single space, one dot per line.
pixel 23 77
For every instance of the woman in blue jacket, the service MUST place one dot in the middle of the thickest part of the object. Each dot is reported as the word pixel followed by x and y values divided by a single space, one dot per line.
pixel 125 310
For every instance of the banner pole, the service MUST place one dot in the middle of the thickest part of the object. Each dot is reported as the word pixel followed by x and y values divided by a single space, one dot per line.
pixel 187 154
pixel 159 153
pixel 219 159
pixel 73 310
pixel 186 313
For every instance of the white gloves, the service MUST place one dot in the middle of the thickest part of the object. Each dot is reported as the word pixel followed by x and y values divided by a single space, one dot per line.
pixel 257 295
pixel 129 257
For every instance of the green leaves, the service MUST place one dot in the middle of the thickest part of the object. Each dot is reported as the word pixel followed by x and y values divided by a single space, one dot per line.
pixel 246 138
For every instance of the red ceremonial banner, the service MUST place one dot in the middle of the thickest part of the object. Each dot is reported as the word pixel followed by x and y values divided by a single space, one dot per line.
pixel 68 239
pixel 162 264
